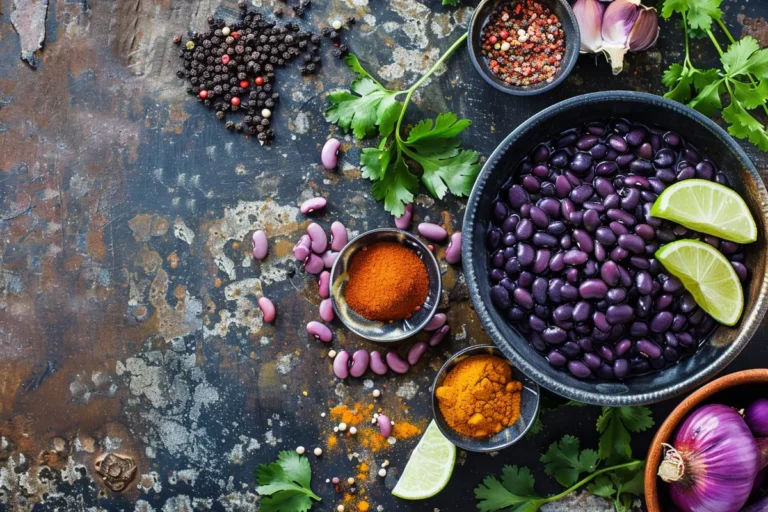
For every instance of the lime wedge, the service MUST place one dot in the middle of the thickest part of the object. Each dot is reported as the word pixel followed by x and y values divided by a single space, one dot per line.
pixel 707 275
pixel 429 468
pixel 707 207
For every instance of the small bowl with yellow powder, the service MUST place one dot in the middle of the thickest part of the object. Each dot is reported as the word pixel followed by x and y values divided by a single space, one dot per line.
pixel 385 285
pixel 481 402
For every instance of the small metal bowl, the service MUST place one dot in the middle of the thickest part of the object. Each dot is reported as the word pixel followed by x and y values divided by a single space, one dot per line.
pixel 570 27
pixel 529 405
pixel 376 330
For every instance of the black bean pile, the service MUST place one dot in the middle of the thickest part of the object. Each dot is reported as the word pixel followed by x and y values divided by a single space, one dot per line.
pixel 571 250
pixel 231 67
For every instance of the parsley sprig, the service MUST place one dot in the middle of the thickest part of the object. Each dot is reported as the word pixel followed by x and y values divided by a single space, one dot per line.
pixel 743 79
pixel 370 109
pixel 285 484
pixel 620 479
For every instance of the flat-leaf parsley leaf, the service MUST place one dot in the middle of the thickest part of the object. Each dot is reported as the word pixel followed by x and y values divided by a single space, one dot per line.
pixel 284 484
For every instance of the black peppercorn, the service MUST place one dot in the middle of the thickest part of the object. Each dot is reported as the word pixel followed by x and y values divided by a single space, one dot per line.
pixel 219 115
pixel 229 125
pixel 351 20
pixel 326 31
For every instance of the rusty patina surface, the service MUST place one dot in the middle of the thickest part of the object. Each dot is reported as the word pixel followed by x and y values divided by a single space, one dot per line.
pixel 135 370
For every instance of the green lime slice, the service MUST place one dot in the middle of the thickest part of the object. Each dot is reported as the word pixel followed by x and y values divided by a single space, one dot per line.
pixel 707 275
pixel 429 468
pixel 707 207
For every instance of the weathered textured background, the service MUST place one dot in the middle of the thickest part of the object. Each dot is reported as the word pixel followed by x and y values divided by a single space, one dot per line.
pixel 128 323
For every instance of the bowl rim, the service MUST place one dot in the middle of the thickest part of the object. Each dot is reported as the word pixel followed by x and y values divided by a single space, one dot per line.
pixel 456 438
pixel 571 26
pixel 432 261
pixel 750 320
pixel 653 459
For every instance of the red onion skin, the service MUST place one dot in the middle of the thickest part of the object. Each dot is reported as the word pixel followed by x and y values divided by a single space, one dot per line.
pixel 721 461
pixel 756 417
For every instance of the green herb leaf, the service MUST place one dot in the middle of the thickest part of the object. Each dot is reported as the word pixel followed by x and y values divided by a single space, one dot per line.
pixel 682 89
pixel 285 484
pixel 700 13
pixel 673 74
pixel 368 106
pixel 602 486
pixel 749 96
pixel 446 126
pixel 451 2
pixel 735 59
pixel 614 425
pixel 397 186
pixel 564 461
pixel 744 126
pixel 708 100
pixel 515 490
pixel 701 79
pixel 758 63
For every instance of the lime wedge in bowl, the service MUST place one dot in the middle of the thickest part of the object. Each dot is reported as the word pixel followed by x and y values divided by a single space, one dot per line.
pixel 429 468
pixel 707 275
pixel 707 207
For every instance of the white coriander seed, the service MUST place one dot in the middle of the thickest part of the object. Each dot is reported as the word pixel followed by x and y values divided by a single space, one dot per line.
pixel 318 452
pixel 332 353
pixel 336 24
pixel 266 113
pixel 385 463
pixel 340 508
pixel 353 430
pixel 335 429
pixel 350 480
pixel 225 31
pixel 300 450
pixel 505 46
pixel 342 426
pixel 382 472
pixel 376 393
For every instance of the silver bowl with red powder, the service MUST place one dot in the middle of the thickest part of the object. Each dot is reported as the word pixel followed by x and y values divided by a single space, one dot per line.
pixel 379 330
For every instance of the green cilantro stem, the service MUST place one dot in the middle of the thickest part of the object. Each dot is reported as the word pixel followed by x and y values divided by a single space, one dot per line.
pixel 421 80
pixel 725 29
pixel 714 41
pixel 581 483
pixel 687 50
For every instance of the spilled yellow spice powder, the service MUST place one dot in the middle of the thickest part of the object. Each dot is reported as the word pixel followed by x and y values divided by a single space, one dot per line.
pixel 344 414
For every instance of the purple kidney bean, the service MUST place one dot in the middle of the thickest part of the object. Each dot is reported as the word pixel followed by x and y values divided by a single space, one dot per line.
pixel 396 363
pixel 439 335
pixel 324 284
pixel 329 155
pixel 326 310
pixel 302 248
pixel 436 322
pixel 314 204
pixel 385 425
pixel 416 351
pixel 593 289
pixel 360 360
pixel 579 369
pixel 341 364
pixel 267 309
pixel 378 366
pixel 260 244
pixel 314 264
pixel 329 258
pixel 453 251
pixel 338 236
pixel 432 231
pixel 318 238
pixel 404 221
pixel 319 331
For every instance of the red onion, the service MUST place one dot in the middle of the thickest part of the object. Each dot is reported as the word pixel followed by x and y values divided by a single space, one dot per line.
pixel 756 417
pixel 712 462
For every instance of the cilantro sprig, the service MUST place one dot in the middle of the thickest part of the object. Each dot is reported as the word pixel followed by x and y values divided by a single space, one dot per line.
pixel 620 478
pixel 430 154
pixel 742 81
pixel 285 484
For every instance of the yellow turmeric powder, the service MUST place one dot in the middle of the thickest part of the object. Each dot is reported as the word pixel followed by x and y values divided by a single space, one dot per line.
pixel 479 398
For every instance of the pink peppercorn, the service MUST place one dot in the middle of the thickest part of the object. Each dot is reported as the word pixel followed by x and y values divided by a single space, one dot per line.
pixel 225 59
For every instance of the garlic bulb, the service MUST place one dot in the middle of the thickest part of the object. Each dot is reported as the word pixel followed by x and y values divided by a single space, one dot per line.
pixel 615 28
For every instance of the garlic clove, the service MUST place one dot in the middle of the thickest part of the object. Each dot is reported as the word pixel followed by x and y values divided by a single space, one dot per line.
pixel 589 15
pixel 618 20
pixel 645 31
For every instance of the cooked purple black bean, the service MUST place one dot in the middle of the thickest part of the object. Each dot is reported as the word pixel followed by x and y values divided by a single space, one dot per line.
pixel 571 244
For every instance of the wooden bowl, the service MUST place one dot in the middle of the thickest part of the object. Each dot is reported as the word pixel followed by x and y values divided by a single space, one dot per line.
pixel 664 434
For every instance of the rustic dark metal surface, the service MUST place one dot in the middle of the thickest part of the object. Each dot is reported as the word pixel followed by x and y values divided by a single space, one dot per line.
pixel 128 323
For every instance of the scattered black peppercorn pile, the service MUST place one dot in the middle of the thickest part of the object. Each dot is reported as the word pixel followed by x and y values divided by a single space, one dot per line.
pixel 232 66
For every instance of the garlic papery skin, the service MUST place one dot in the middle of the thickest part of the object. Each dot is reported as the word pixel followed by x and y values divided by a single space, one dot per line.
pixel 645 31
pixel 618 21
pixel 589 15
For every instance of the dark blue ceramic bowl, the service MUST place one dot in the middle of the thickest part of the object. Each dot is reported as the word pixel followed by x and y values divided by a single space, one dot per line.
pixel 722 346
pixel 570 26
